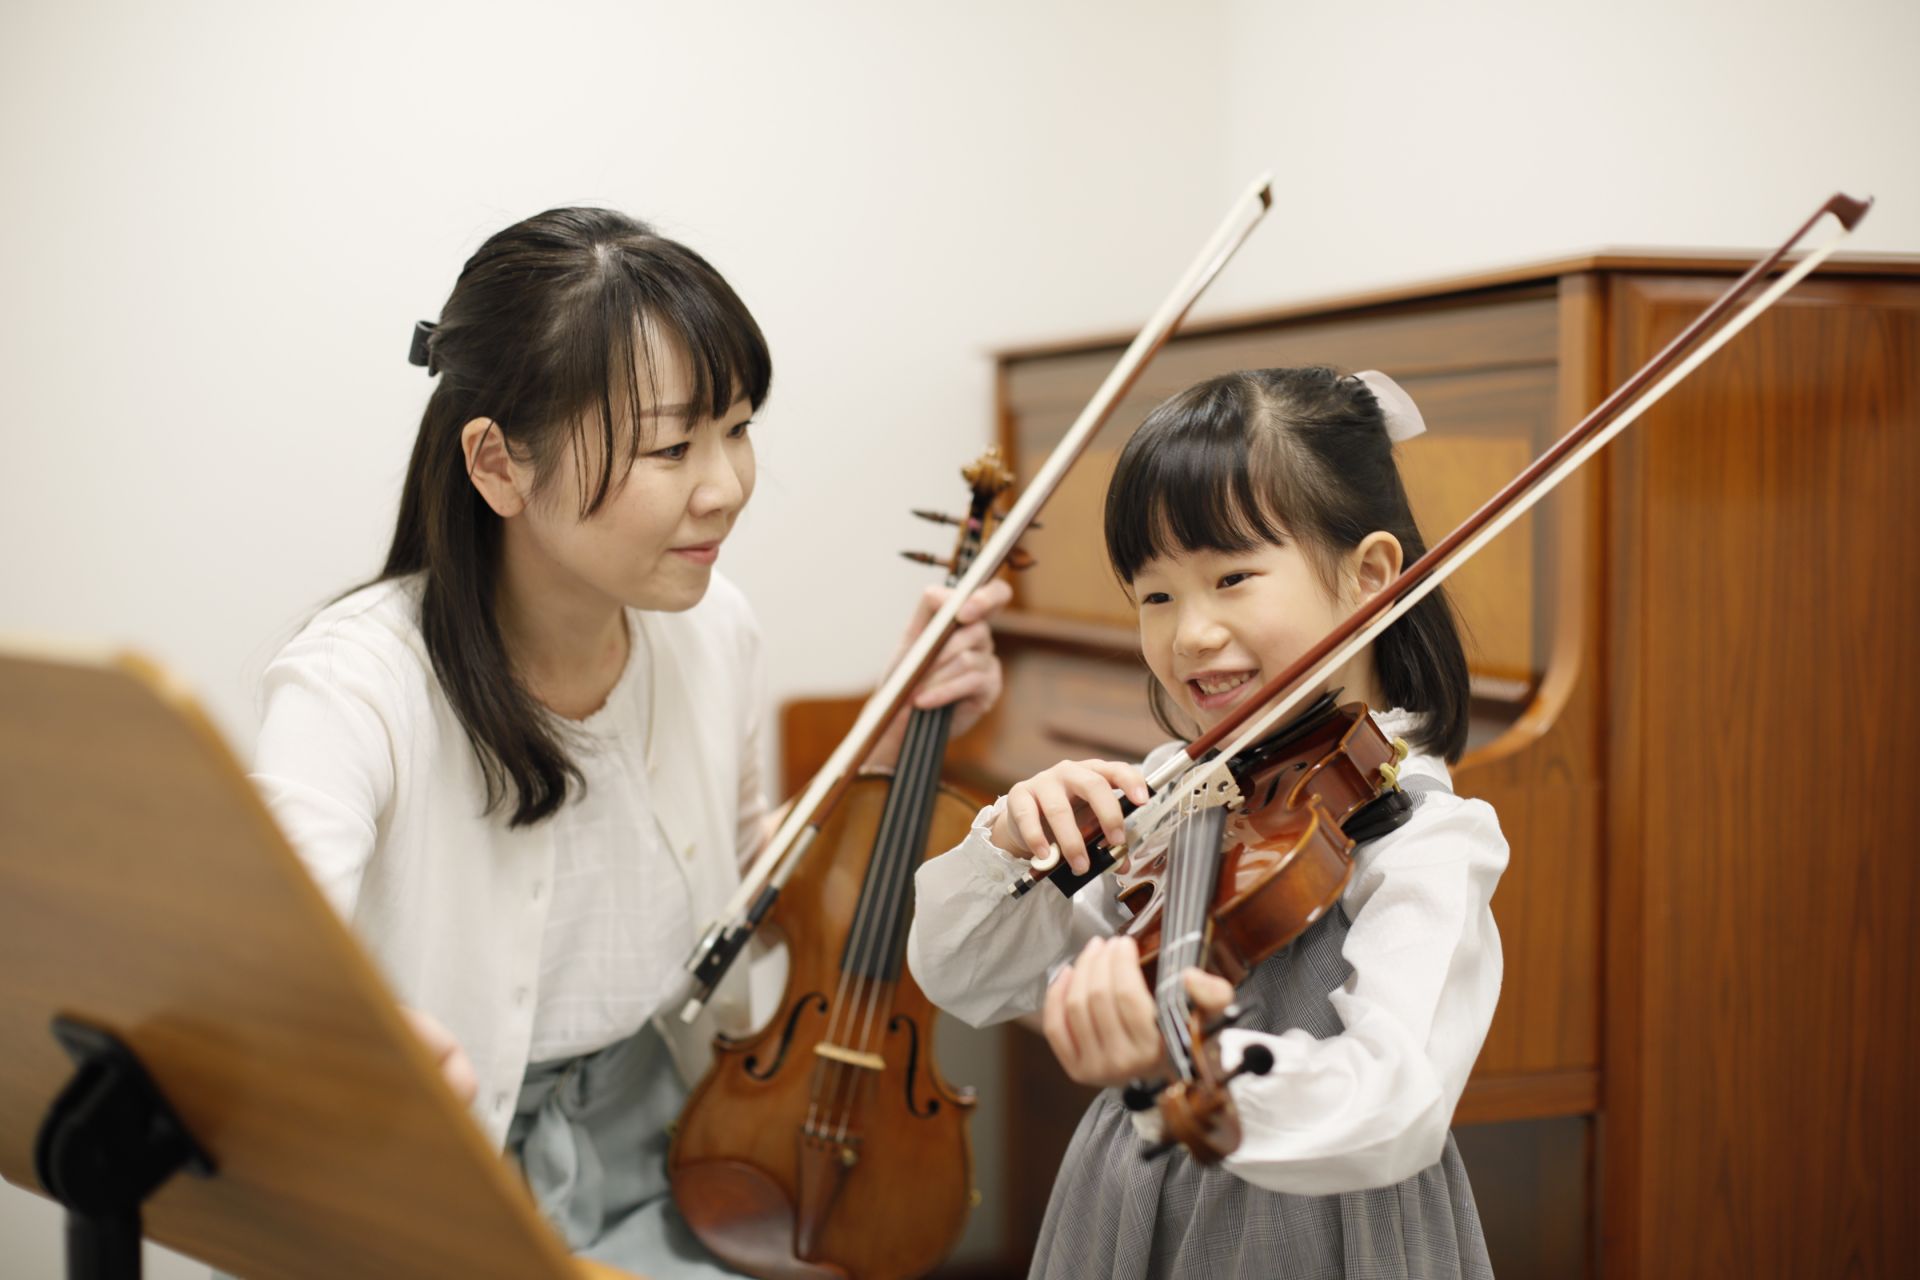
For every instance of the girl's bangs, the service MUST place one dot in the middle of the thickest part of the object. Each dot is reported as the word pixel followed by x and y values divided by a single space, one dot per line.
pixel 1187 482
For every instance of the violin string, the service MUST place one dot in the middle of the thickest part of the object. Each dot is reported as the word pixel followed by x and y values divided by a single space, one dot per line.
pixel 877 915
pixel 852 975
pixel 1194 838
pixel 903 858
pixel 919 763
pixel 861 952
pixel 1198 841
pixel 894 861
pixel 1173 917
pixel 916 772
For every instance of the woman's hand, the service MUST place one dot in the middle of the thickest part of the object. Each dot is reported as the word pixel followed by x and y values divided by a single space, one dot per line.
pixel 965 672
pixel 1100 1019
pixel 455 1069
pixel 1046 809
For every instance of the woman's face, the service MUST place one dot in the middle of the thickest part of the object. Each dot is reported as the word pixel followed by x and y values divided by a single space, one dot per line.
pixel 653 543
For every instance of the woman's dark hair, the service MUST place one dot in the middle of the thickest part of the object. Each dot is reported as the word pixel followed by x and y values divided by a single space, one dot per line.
pixel 551 332
pixel 1248 458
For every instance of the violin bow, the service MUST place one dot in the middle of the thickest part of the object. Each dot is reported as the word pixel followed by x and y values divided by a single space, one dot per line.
pixel 714 954
pixel 1280 696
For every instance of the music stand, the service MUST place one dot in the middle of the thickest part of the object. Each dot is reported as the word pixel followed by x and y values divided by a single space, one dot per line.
pixel 146 894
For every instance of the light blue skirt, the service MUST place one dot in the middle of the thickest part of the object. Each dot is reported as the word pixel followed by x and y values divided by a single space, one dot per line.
pixel 590 1134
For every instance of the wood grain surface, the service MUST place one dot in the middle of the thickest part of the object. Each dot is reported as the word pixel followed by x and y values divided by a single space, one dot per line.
pixel 143 886
pixel 1764 1012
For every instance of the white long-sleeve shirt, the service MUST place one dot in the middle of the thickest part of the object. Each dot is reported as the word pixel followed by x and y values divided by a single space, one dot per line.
pixel 543 940
pixel 1365 1108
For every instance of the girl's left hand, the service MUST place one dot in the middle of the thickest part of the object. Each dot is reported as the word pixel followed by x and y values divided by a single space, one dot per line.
pixel 1100 1018
pixel 965 672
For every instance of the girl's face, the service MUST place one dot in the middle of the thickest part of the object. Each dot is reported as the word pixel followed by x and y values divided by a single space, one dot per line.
pixel 1216 625
pixel 653 542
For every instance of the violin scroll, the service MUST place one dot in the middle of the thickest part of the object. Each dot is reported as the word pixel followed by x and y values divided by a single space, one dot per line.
pixel 987 476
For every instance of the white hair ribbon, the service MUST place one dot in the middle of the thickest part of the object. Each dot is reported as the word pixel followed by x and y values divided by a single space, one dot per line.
pixel 1396 406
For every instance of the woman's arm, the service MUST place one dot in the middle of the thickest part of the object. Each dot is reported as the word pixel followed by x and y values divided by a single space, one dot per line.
pixel 324 758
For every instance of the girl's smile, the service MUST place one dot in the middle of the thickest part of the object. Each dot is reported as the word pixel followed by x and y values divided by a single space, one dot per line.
pixel 1218 690
pixel 1217 625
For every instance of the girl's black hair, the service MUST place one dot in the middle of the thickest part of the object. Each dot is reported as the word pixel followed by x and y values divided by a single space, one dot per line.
pixel 551 332
pixel 1250 457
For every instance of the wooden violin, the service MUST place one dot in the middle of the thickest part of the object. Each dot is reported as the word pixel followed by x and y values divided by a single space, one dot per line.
pixel 1300 802
pixel 827 1144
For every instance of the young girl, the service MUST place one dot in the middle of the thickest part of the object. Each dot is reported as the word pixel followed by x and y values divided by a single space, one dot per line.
pixel 1248 516
pixel 524 763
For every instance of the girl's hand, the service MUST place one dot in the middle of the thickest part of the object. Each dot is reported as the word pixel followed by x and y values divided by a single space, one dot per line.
pixel 1100 1019
pixel 965 671
pixel 1046 808
pixel 455 1069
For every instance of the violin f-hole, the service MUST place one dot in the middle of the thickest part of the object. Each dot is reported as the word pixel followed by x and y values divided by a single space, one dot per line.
pixel 751 1065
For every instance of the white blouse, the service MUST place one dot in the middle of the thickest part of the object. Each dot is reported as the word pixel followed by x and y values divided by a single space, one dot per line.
pixel 621 921
pixel 532 942
pixel 1368 1107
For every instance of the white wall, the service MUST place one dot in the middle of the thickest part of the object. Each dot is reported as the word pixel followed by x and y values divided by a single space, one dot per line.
pixel 222 219
pixel 1413 140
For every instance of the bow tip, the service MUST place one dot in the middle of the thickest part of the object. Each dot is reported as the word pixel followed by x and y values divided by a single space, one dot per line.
pixel 1849 210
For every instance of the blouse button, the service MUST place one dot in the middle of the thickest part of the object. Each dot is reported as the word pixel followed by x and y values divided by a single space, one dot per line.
pixel 520 997
pixel 539 887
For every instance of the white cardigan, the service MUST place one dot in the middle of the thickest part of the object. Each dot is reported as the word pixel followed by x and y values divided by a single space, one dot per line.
pixel 376 785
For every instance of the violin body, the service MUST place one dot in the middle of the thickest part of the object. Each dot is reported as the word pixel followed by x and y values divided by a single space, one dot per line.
pixel 827 1143
pixel 1286 858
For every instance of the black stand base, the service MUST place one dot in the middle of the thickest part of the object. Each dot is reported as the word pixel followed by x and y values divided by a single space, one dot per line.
pixel 108 1142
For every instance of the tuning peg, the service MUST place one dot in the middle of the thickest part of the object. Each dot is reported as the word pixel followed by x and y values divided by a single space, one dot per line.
pixel 923 557
pixel 938 517
pixel 1018 560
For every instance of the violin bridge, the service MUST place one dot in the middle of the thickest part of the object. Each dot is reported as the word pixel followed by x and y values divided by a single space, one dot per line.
pixel 1202 787
pixel 852 1057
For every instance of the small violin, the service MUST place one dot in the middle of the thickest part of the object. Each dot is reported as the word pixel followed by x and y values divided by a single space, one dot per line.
pixel 1252 858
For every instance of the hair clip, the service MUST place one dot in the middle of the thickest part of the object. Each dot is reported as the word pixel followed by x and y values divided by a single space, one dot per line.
pixel 420 352
pixel 1396 406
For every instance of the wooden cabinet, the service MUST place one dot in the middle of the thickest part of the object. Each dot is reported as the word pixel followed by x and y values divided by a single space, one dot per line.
pixel 1694 675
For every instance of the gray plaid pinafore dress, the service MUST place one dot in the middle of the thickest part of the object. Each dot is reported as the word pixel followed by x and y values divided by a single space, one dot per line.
pixel 1113 1214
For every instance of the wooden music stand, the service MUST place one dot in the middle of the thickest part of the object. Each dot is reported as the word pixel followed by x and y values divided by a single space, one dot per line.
pixel 145 890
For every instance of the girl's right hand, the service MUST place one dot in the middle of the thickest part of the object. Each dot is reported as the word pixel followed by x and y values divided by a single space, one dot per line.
pixel 1047 809
pixel 452 1060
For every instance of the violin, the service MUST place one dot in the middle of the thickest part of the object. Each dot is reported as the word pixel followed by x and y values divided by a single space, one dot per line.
pixel 1254 857
pixel 827 1143
pixel 1298 805
pixel 1222 874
